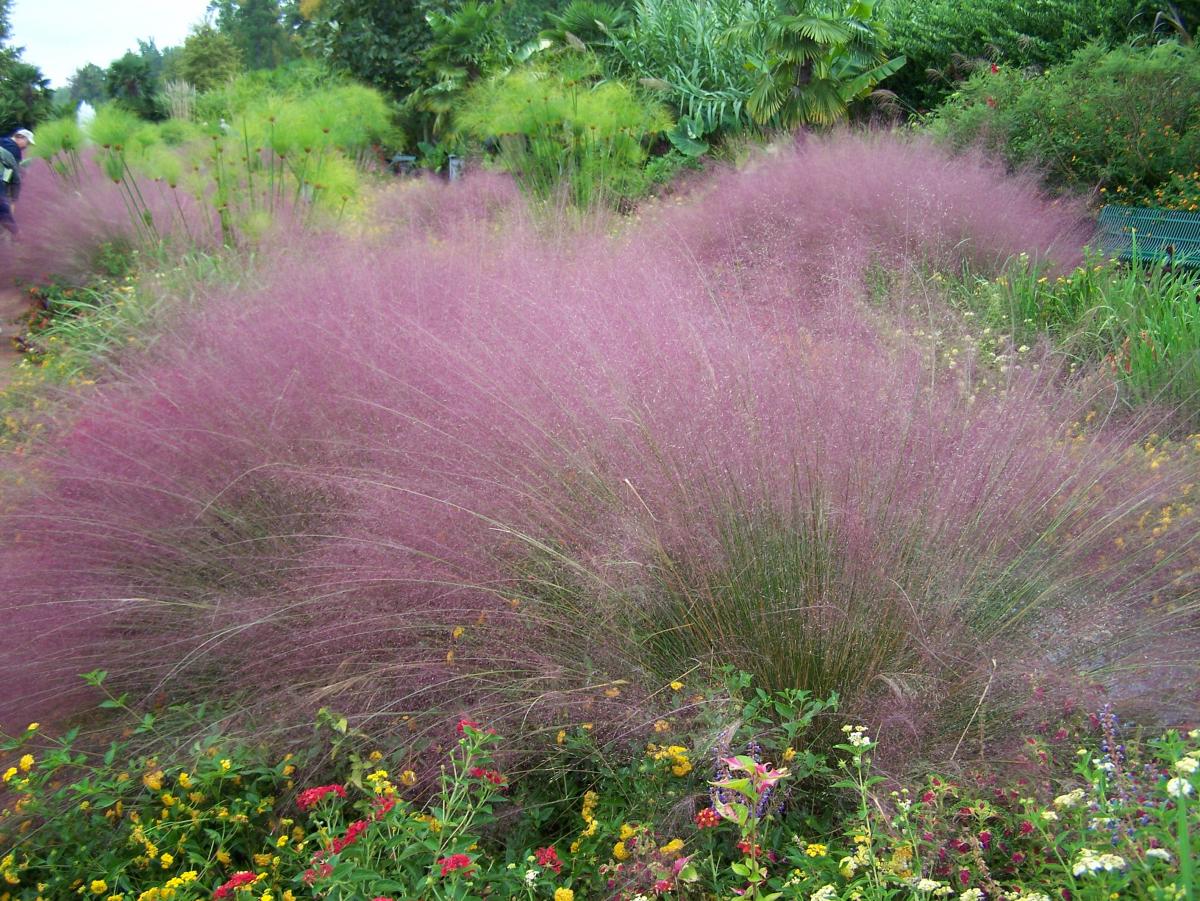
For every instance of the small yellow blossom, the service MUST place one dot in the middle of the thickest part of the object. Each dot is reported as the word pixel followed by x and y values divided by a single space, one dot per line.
pixel 816 850
pixel 619 851
pixel 98 887
pixel 153 781
pixel 26 763
pixel 564 894
pixel 458 633
pixel 676 685
pixel 226 765
pixel 561 737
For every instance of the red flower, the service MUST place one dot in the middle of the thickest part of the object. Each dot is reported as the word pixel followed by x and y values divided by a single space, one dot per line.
pixel 311 876
pixel 464 724
pixel 548 857
pixel 1018 857
pixel 353 831
pixel 662 886
pixel 383 806
pixel 490 775
pixel 237 880
pixel 707 818
pixel 928 797
pixel 985 840
pixel 455 862
pixel 1025 828
pixel 991 101
pixel 312 796
pixel 964 876
pixel 995 68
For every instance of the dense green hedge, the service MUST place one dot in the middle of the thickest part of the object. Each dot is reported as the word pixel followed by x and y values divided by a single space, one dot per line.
pixel 1123 122
pixel 945 40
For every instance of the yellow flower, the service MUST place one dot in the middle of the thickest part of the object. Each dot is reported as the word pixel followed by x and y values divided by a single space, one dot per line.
pixel 561 737
pixel 281 841
pixel 375 756
pixel 586 727
pixel 674 846
pixel 26 763
pixel 98 887
pixel 9 773
pixel 619 851
pixel 166 860
pixel 662 726
pixel 564 894
pixel 458 633
pixel 223 857
pixel 153 781
pixel 33 727
pixel 816 850
pixel 226 765
pixel 627 831
pixel 612 692
pixel 262 860
pixel 789 755
pixel 676 685
pixel 450 656
pixel 185 781
pixel 408 777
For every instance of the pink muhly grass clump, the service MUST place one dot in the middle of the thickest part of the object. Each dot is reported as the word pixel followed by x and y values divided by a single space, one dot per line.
pixel 606 463
pixel 828 207
pixel 64 221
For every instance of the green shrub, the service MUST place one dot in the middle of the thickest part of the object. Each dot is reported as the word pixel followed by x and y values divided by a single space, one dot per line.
pixel 945 41
pixel 566 127
pixel 1124 122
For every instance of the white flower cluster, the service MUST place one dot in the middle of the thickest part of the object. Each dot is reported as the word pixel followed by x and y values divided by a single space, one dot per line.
pixel 1180 788
pixel 1070 799
pixel 1159 854
pixel 857 736
pixel 824 893
pixel 1187 766
pixel 971 894
pixel 1092 862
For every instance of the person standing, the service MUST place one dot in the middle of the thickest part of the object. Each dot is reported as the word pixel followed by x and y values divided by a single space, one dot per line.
pixel 12 149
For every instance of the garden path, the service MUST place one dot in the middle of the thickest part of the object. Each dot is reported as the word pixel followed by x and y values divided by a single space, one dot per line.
pixel 13 304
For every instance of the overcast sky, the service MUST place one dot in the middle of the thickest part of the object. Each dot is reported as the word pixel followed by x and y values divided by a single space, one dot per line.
pixel 59 36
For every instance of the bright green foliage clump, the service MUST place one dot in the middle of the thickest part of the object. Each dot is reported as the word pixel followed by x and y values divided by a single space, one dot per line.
pixel 945 41
pixel 565 126
pixel 1124 122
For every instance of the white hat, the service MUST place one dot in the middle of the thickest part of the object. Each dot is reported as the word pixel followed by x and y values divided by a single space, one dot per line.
pixel 24 133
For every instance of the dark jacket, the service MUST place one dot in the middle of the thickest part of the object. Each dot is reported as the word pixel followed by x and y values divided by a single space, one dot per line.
pixel 9 148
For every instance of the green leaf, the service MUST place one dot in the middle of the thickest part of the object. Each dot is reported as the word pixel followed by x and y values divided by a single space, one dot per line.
pixel 685 143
